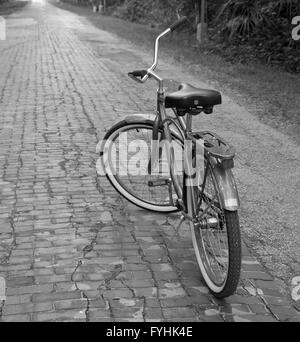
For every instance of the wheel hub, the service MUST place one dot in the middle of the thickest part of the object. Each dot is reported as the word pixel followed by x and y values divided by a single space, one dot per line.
pixel 207 223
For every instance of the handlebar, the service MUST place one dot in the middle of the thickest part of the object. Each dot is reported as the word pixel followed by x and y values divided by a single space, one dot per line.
pixel 142 76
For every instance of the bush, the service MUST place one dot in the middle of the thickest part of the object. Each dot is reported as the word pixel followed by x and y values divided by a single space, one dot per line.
pixel 263 26
pixel 133 10
pixel 238 29
pixel 160 12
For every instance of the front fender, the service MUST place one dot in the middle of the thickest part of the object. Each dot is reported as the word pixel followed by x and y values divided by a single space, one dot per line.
pixel 149 118
pixel 132 118
pixel 139 118
pixel 227 186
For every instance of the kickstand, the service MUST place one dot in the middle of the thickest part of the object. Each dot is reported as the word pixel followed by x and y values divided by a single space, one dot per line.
pixel 178 226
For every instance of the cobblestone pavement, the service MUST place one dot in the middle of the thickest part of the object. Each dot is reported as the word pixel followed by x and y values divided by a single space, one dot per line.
pixel 71 249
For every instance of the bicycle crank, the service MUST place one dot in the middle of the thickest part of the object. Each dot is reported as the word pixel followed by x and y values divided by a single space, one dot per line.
pixel 163 182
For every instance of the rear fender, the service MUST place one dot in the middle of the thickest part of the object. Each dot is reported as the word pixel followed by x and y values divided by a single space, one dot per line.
pixel 227 187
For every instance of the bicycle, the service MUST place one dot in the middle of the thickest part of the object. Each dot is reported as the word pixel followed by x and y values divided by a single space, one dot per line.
pixel 207 199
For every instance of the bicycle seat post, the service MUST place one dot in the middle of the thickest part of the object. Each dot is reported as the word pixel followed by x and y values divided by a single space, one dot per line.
pixel 189 122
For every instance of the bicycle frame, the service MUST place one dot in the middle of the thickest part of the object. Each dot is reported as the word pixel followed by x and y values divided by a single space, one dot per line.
pixel 224 177
pixel 184 126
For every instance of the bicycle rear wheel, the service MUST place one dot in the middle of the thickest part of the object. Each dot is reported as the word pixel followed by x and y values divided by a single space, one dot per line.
pixel 125 158
pixel 215 235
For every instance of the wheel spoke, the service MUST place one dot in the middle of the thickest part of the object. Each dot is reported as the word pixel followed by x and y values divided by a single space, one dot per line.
pixel 212 241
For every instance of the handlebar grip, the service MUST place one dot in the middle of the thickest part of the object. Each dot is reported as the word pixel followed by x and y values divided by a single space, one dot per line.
pixel 138 73
pixel 178 23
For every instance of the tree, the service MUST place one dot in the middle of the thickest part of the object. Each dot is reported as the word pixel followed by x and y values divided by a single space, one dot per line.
pixel 201 20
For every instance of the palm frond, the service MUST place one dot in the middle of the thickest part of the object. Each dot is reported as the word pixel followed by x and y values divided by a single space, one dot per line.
pixel 242 16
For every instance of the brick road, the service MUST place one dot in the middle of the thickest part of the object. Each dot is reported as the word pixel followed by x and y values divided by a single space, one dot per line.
pixel 71 249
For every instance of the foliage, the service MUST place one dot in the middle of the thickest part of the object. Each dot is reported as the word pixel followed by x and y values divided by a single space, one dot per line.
pixel 240 30
pixel 262 28
pixel 241 17
pixel 153 12
pixel 133 10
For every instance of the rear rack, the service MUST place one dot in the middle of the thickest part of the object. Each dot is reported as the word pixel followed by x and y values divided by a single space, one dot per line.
pixel 214 145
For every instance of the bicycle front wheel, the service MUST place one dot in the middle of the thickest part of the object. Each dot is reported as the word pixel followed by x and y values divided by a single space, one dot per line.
pixel 215 235
pixel 125 158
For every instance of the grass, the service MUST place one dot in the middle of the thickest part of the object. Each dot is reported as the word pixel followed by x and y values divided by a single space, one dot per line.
pixel 10 6
pixel 271 94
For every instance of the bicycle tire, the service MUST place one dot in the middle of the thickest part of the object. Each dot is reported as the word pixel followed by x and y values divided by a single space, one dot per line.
pixel 228 285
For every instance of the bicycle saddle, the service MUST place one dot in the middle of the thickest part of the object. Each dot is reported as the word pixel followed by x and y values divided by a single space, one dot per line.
pixel 188 96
